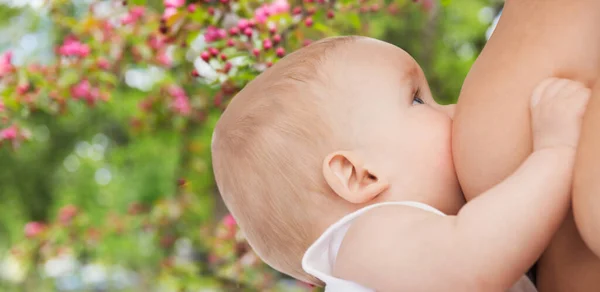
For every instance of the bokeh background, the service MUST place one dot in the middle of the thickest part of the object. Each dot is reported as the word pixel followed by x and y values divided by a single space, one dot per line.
pixel 106 114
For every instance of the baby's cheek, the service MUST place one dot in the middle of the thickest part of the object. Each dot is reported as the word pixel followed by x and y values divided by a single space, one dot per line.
pixel 440 153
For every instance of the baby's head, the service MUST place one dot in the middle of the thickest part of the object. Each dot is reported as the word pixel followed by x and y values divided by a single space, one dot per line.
pixel 341 124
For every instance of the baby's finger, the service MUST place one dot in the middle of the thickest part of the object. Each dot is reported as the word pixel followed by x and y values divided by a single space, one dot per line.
pixel 571 88
pixel 539 90
pixel 555 87
pixel 580 98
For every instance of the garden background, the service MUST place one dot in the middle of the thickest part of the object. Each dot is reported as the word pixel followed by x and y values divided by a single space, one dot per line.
pixel 106 114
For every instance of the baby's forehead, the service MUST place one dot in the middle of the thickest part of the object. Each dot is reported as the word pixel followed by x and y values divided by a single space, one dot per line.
pixel 367 57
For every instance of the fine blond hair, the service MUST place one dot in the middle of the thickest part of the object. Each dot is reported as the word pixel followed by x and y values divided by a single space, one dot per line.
pixel 268 149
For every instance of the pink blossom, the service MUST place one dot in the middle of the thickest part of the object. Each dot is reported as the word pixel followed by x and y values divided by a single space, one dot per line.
pixel 93 96
pixel 267 44
pixel 280 6
pixel 176 91
pixel 128 19
pixel 192 8
pixel 5 63
pixel 156 42
pixel 181 105
pixel 134 15
pixel 107 30
pixel 243 23
pixel 103 64
pixel 23 88
pixel 174 3
pixel 164 59
pixel 138 11
pixel 1 106
pixel 81 90
pixel 262 13
pixel 213 34
pixel 32 229
pixel 67 213
pixel 229 221
pixel 248 31
pixel 9 133
pixel 180 102
pixel 170 11
pixel 84 90
pixel 72 47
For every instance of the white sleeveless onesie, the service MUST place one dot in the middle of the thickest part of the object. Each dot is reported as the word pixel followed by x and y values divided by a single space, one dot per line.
pixel 320 257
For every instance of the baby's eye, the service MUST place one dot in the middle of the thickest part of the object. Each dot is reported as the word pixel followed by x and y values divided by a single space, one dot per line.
pixel 417 100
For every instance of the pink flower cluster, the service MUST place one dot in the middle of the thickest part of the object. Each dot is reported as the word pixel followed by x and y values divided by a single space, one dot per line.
pixel 171 7
pixel 229 221
pixel 83 90
pixel 169 11
pixel 156 41
pixel 180 103
pixel 67 213
pixel 10 133
pixel 245 26
pixel 214 34
pixel 164 59
pixel 23 88
pixel 6 63
pixel 174 3
pixel 103 64
pixel 134 15
pixel 72 47
pixel 32 229
pixel 262 13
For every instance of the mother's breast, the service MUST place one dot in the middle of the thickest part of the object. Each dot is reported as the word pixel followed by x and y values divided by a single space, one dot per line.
pixel 533 40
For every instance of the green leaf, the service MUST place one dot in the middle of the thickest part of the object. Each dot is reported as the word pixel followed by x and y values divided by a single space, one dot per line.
pixel 68 78
pixel 354 20
pixel 138 2
pixel 106 77
pixel 323 28
pixel 7 13
pixel 192 36
pixel 199 15
pixel 319 15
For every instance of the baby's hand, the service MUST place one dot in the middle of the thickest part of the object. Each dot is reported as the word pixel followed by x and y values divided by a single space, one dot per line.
pixel 557 107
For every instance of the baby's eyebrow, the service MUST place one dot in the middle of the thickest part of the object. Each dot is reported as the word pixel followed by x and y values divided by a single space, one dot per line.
pixel 412 70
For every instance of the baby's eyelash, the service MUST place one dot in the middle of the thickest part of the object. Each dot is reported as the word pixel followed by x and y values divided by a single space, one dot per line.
pixel 416 98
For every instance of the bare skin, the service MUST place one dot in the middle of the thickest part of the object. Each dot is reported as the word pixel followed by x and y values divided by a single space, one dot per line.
pixel 586 201
pixel 534 39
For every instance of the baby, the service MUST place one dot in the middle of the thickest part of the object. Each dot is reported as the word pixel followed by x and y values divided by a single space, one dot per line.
pixel 336 163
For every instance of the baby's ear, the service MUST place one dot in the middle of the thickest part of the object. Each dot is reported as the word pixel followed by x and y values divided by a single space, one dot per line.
pixel 348 178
